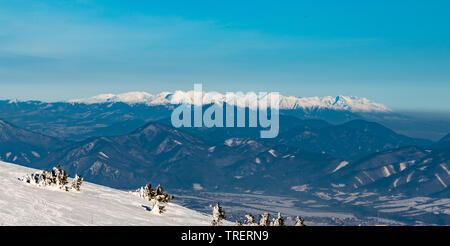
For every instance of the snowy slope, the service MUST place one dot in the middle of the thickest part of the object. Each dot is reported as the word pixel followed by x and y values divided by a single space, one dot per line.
pixel 350 103
pixel 25 204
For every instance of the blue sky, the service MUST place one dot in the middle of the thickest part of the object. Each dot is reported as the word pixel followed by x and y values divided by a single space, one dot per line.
pixel 393 52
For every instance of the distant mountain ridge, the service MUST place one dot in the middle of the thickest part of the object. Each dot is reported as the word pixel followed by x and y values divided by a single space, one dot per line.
pixel 350 103
pixel 222 159
pixel 77 121
pixel 445 140
pixel 351 140
pixel 408 170
pixel 226 159
pixel 22 146
pixel 164 154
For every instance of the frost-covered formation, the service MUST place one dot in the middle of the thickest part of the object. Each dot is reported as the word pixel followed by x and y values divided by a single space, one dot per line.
pixel 157 196
pixel 265 220
pixel 145 192
pixel 251 220
pixel 57 178
pixel 299 221
pixel 76 182
pixel 279 221
pixel 39 178
pixel 160 196
pixel 218 215
pixel 158 208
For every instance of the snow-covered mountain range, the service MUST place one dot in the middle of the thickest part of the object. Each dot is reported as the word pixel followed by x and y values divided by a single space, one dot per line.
pixel 26 204
pixel 348 103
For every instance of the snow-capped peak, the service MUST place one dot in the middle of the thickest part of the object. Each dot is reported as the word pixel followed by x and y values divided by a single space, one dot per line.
pixel 350 103
pixel 130 97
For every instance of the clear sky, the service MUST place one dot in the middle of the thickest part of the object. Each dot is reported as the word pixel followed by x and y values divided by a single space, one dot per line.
pixel 393 52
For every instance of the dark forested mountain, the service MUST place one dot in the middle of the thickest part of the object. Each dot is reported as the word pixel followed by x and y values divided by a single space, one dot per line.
pixel 220 134
pixel 149 153
pixel 445 139
pixel 351 140
pixel 444 142
pixel 22 146
pixel 163 154
pixel 78 121
pixel 75 122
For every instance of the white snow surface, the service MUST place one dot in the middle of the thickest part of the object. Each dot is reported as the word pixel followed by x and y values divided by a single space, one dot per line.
pixel 250 100
pixel 341 165
pixel 25 204
pixel 272 152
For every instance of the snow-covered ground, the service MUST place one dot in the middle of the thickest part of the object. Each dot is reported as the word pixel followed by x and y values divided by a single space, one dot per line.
pixel 26 204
